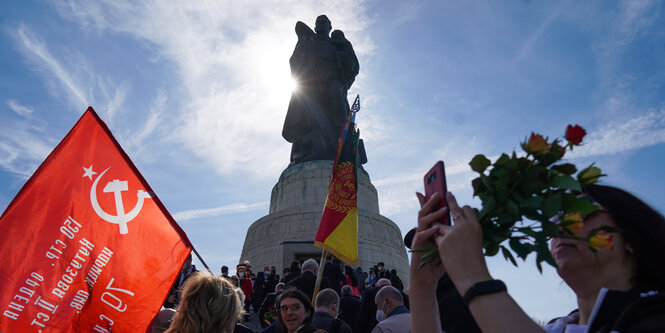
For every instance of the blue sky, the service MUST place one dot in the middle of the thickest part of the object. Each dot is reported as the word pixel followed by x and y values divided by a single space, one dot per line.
pixel 196 93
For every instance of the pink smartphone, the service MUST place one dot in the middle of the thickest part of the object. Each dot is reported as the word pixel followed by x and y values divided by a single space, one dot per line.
pixel 435 181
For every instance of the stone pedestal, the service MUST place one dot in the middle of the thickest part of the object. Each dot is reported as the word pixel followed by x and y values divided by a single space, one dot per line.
pixel 287 232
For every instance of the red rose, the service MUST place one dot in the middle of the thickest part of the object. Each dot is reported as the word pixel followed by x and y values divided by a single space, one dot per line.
pixel 574 134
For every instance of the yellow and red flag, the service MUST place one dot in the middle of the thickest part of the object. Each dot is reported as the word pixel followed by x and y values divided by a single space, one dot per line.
pixel 338 229
pixel 86 246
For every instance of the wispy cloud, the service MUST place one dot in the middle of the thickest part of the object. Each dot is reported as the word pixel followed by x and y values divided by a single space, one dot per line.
pixel 408 11
pixel 217 211
pixel 21 110
pixel 397 190
pixel 81 84
pixel 614 50
pixel 144 141
pixel 234 70
pixel 37 50
pixel 23 143
pixel 627 134
pixel 613 137
pixel 22 149
pixel 112 96
pixel 525 49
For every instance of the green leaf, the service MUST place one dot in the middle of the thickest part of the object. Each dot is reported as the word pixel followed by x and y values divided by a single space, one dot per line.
pixel 479 163
pixel 518 198
pixel 489 205
pixel 532 186
pixel 549 259
pixel 532 214
pixel 505 220
pixel 580 205
pixel 528 231
pixel 511 207
pixel 532 202
pixel 550 228
pixel 519 248
pixel 544 253
pixel 491 249
pixel 478 186
pixel 566 168
pixel 566 182
pixel 502 159
pixel 551 205
pixel 507 255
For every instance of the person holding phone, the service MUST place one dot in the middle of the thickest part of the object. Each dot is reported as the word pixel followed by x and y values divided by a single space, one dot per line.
pixel 618 289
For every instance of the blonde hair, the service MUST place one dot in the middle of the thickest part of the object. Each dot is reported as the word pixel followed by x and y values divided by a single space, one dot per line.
pixel 209 304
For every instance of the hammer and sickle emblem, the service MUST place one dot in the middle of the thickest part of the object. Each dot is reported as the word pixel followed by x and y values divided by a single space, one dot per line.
pixel 116 187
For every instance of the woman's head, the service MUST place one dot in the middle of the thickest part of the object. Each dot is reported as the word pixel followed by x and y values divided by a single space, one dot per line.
pixel 295 309
pixel 637 253
pixel 241 271
pixel 643 229
pixel 348 270
pixel 209 303
pixel 295 266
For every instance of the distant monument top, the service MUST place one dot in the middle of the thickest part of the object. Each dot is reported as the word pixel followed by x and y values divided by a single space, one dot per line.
pixel 324 66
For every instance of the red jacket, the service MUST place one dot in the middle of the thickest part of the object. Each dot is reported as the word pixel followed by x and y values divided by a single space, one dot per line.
pixel 246 286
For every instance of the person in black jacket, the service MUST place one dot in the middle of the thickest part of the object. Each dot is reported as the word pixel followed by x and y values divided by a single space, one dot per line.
pixel 333 271
pixel 267 312
pixel 272 279
pixel 173 298
pixel 367 314
pixel 307 280
pixel 349 307
pixel 326 309
pixel 258 291
pixel 395 280
pixel 294 272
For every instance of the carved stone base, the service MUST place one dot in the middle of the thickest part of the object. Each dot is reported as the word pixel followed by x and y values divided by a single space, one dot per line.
pixel 287 232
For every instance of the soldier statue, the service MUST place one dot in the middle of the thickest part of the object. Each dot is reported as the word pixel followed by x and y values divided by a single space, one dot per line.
pixel 324 66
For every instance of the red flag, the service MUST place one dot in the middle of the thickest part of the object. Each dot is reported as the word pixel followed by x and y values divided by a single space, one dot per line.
pixel 338 228
pixel 85 245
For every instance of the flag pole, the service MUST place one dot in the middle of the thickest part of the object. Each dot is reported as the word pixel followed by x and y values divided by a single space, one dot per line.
pixel 319 276
pixel 201 259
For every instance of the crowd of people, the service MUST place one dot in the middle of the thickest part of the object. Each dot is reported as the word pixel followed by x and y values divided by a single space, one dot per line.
pixel 620 288
pixel 344 304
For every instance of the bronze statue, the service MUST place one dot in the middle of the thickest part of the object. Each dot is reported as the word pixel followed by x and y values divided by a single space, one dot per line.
pixel 324 67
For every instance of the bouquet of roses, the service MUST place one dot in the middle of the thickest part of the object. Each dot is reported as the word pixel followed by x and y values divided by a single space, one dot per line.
pixel 526 200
